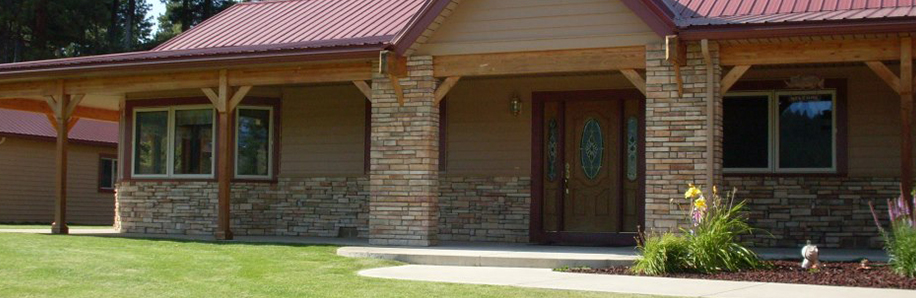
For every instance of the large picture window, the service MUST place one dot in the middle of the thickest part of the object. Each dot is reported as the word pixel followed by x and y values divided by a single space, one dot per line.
pixel 780 132
pixel 254 142
pixel 174 142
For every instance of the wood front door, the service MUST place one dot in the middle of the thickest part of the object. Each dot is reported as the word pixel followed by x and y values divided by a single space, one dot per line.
pixel 587 159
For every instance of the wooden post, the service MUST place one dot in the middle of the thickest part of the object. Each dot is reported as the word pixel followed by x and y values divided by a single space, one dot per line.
pixel 62 117
pixel 225 100
pixel 906 118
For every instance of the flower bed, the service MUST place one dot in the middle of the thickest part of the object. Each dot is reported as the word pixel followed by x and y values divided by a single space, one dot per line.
pixel 831 274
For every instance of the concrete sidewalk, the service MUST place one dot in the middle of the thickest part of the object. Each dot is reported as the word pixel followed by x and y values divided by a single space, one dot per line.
pixel 548 279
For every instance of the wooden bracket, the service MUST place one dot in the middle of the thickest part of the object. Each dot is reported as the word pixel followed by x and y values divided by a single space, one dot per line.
pixel 676 55
pixel 635 78
pixel 885 74
pixel 394 67
pixel 364 88
pixel 72 123
pixel 445 87
pixel 226 98
pixel 732 77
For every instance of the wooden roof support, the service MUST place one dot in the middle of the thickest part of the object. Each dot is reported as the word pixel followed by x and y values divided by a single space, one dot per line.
pixel 638 81
pixel 885 74
pixel 394 67
pixel 710 115
pixel 732 77
pixel 541 62
pixel 225 99
pixel 812 52
pixel 364 88
pixel 676 54
pixel 906 112
pixel 445 87
pixel 44 107
pixel 60 104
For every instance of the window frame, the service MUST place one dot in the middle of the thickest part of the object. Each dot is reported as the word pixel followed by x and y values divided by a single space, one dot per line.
pixel 170 143
pixel 114 174
pixel 270 143
pixel 773 157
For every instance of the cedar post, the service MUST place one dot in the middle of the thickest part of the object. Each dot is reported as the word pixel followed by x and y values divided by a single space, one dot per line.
pixel 906 117
pixel 62 118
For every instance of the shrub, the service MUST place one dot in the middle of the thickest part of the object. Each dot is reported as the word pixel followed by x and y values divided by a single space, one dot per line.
pixel 660 254
pixel 710 245
pixel 901 247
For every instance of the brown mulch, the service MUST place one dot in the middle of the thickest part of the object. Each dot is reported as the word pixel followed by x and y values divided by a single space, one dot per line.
pixel 831 274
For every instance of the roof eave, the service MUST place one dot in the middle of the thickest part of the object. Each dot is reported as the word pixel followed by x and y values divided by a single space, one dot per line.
pixel 794 29
pixel 215 61
pixel 420 22
pixel 656 15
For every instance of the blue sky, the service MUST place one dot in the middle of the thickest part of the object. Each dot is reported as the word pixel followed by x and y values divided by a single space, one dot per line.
pixel 158 9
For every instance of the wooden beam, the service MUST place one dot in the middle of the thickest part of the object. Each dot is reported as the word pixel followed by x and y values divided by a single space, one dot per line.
pixel 542 62
pixel 710 115
pixel 394 67
pixel 732 77
pixel 72 123
pixel 364 88
pixel 42 106
pixel 74 102
pixel 260 76
pixel 445 87
pixel 211 95
pixel 810 52
pixel 885 74
pixel 635 78
pixel 679 80
pixel 675 50
pixel 906 112
pixel 238 96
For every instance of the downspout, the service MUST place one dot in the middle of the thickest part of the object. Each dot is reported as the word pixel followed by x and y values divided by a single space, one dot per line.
pixel 710 115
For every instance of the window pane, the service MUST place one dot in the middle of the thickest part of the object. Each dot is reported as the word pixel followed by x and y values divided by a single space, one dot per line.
pixel 253 142
pixel 806 131
pixel 151 143
pixel 193 142
pixel 106 179
pixel 746 132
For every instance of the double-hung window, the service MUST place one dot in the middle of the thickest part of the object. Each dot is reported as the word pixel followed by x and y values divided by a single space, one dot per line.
pixel 108 173
pixel 176 142
pixel 780 132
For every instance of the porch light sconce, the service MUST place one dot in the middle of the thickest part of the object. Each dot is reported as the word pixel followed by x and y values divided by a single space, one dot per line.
pixel 515 105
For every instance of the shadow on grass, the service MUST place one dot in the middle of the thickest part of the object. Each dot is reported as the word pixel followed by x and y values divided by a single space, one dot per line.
pixel 205 241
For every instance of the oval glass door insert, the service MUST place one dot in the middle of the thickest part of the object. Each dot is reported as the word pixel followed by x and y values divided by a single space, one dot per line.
pixel 591 148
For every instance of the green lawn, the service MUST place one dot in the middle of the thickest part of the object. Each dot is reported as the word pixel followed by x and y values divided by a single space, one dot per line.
pixel 48 226
pixel 34 265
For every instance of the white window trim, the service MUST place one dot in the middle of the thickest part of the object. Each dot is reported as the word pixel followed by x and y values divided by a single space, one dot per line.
pixel 773 134
pixel 170 144
pixel 270 143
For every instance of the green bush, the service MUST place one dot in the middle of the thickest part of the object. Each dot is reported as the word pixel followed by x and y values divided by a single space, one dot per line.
pixel 710 245
pixel 713 245
pixel 665 253
pixel 901 247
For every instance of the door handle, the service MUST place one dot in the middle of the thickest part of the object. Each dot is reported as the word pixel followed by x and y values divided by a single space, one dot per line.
pixel 566 179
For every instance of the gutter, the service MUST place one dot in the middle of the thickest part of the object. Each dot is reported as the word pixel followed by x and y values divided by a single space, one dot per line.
pixel 770 30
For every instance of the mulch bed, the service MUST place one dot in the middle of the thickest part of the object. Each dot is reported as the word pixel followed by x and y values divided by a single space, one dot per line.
pixel 831 274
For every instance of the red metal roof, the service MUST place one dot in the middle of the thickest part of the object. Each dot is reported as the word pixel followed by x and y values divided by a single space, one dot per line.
pixel 298 21
pixel 37 125
pixel 721 12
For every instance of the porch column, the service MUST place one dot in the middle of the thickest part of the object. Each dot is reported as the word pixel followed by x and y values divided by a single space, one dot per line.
pixel 906 123
pixel 677 134
pixel 404 175
pixel 59 226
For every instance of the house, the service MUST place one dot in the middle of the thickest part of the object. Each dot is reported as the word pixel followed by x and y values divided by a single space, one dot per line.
pixel 577 122
pixel 27 169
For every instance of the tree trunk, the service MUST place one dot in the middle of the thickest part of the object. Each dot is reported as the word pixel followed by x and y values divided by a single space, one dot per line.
pixel 130 19
pixel 186 15
pixel 113 26
pixel 208 9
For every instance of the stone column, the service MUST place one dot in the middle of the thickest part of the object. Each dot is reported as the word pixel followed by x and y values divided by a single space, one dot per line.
pixel 404 163
pixel 676 134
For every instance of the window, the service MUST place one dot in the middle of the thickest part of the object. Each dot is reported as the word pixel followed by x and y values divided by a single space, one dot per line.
pixel 174 142
pixel 780 132
pixel 108 173
pixel 254 142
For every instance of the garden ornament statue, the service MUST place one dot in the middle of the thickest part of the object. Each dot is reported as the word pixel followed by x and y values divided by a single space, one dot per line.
pixel 810 256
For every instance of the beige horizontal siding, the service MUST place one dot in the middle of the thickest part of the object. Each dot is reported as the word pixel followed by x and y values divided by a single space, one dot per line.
pixel 485 139
pixel 323 131
pixel 483 26
pixel 27 185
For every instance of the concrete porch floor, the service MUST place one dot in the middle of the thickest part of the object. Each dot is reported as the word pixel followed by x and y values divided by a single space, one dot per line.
pixel 478 254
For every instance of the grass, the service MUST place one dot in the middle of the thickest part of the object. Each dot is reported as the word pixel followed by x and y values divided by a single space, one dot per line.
pixel 34 265
pixel 47 226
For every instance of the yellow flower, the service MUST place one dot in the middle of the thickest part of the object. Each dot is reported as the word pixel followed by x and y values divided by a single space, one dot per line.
pixel 700 204
pixel 693 192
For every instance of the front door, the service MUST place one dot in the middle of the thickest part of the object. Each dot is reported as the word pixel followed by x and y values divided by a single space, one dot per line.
pixel 587 159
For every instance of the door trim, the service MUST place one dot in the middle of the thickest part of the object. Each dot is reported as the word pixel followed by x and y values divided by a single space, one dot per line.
pixel 537 233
